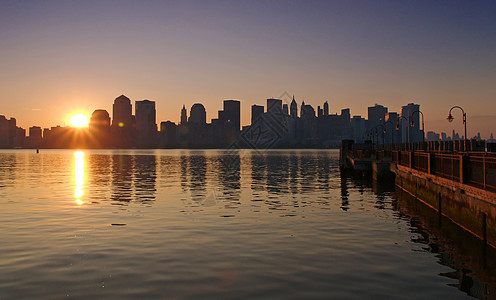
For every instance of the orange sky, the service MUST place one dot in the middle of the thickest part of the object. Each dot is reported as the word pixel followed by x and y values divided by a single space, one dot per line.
pixel 59 58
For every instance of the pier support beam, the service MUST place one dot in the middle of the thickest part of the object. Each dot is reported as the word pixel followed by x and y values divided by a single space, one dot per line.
pixel 471 208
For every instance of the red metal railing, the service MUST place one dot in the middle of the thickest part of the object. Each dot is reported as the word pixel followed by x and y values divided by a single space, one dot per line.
pixel 421 161
pixel 482 171
pixel 477 169
pixel 446 165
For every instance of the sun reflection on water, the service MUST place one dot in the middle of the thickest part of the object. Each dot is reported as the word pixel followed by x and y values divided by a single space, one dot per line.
pixel 79 176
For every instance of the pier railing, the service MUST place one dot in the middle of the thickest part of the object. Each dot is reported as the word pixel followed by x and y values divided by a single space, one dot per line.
pixel 473 168
pixel 440 146
pixel 476 167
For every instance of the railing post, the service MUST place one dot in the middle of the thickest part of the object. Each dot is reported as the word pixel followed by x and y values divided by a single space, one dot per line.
pixel 463 168
pixel 410 158
pixel 484 170
pixel 440 209
pixel 429 163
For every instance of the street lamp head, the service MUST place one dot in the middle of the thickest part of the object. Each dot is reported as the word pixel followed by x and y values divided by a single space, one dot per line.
pixel 384 130
pixel 412 124
pixel 450 118
pixel 397 126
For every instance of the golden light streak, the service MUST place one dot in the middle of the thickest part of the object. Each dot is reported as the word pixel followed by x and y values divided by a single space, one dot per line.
pixel 79 175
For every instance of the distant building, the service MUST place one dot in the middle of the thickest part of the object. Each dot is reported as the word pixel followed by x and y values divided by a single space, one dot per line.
pixel 35 132
pixel 274 106
pixel 99 128
pixel 184 115
pixel 35 137
pixel 122 112
pixel 123 122
pixel 432 136
pixel 285 109
pixel 168 134
pixel 414 133
pixel 392 130
pixel 100 120
pixel 146 125
pixel 10 135
pixel 358 128
pixel 293 109
pixel 232 114
pixel 326 108
pixel 307 111
pixel 198 114
pixel 376 116
pixel 256 112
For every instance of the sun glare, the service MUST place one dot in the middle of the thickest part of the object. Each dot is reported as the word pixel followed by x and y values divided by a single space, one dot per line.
pixel 79 120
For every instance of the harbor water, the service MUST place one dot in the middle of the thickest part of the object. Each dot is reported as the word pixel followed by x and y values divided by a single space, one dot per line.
pixel 162 224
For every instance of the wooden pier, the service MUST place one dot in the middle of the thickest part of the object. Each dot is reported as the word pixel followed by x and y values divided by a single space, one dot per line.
pixel 460 185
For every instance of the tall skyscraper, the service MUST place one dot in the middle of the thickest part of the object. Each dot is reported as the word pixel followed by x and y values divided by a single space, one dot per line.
pixel 414 133
pixel 274 106
pixel 100 120
pixel 232 112
pixel 376 115
pixel 8 132
pixel 326 108
pixel 184 115
pixel 293 108
pixel 358 129
pixel 146 124
pixel 35 132
pixel 122 112
pixel 99 128
pixel 198 114
pixel 256 112
pixel 392 133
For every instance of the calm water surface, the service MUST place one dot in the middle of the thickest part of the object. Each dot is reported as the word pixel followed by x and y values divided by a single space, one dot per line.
pixel 216 224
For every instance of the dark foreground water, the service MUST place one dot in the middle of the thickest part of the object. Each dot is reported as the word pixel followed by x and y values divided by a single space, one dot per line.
pixel 189 224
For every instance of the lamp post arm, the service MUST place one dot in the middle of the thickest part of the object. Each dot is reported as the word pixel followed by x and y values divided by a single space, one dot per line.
pixel 464 123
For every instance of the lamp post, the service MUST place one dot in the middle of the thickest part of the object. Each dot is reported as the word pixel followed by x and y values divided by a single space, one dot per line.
pixel 398 126
pixel 450 119
pixel 413 124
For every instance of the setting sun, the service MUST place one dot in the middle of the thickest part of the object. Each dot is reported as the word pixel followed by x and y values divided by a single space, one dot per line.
pixel 79 120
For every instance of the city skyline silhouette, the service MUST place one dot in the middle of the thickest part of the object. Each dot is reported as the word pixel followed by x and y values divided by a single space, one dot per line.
pixel 274 125
pixel 62 58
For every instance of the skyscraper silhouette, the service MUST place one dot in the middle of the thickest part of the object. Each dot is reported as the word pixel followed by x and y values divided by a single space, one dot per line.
pixel 274 106
pixel 100 120
pixel 122 112
pixel 293 109
pixel 146 124
pixel 123 122
pixel 256 112
pixel 232 113
pixel 326 108
pixel 198 115
pixel 414 132
pixel 285 109
pixel 99 127
pixel 184 115
pixel 376 115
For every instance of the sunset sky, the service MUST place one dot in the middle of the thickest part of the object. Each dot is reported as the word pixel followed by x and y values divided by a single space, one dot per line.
pixel 62 57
